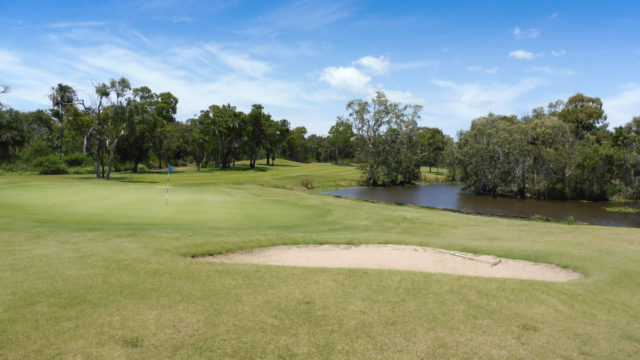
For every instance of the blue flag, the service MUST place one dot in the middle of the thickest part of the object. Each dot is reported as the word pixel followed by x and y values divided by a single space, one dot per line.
pixel 170 169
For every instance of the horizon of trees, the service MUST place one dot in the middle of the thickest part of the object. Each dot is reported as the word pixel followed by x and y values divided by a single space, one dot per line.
pixel 563 151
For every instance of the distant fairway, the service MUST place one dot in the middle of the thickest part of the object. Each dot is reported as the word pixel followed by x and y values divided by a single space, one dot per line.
pixel 102 270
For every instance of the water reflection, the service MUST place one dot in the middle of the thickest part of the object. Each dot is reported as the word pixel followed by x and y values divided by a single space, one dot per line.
pixel 451 196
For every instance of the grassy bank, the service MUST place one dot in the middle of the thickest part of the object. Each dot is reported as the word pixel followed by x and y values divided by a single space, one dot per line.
pixel 97 269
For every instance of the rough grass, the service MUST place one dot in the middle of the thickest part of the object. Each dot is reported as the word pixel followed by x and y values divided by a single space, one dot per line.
pixel 102 270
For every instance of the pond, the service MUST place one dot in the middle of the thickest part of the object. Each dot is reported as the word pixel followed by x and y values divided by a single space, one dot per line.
pixel 452 197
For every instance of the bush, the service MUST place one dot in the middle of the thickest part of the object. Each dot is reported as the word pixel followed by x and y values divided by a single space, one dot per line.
pixel 76 160
pixel 307 183
pixel 50 165
pixel 82 170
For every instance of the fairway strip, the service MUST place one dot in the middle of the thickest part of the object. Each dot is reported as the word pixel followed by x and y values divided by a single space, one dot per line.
pixel 398 257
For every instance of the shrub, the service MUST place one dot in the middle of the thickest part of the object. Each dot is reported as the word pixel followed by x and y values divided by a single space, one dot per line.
pixel 49 165
pixel 75 160
pixel 307 183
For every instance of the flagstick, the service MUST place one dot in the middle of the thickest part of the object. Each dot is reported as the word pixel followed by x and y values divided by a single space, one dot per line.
pixel 167 196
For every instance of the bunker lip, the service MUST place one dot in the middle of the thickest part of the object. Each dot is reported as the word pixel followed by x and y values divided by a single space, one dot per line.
pixel 398 257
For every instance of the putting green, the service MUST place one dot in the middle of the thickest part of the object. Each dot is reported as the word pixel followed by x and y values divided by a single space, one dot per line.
pixel 102 270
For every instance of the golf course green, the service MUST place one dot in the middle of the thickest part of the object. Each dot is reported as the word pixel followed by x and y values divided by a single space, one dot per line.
pixel 95 269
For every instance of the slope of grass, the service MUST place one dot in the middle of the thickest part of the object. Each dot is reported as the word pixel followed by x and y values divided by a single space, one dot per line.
pixel 102 270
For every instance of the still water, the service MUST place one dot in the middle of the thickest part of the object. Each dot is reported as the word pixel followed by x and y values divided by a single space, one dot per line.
pixel 451 196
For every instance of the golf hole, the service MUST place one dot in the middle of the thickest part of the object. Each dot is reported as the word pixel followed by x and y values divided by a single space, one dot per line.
pixel 398 257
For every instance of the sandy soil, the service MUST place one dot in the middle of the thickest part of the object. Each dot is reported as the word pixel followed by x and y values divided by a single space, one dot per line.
pixel 398 257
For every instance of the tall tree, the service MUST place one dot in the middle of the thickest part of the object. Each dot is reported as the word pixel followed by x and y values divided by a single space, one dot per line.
pixel 12 134
pixel 62 98
pixel 432 142
pixel 584 113
pixel 257 122
pixel 341 137
pixel 120 114
pixel 382 125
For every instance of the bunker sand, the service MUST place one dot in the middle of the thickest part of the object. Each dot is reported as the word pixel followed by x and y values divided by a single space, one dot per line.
pixel 398 257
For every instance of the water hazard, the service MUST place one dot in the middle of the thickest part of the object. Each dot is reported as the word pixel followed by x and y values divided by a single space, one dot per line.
pixel 451 196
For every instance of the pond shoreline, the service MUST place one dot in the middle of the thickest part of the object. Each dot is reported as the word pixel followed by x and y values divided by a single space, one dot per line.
pixel 466 212
pixel 449 197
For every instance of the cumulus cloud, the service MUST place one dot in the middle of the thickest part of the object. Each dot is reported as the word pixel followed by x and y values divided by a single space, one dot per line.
pixel 526 33
pixel 347 78
pixel 622 107
pixel 558 52
pixel 524 55
pixel 378 65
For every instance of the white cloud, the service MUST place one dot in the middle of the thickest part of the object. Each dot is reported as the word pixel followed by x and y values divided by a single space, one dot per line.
pixel 379 66
pixel 303 15
pixel 416 64
pixel 526 33
pixel 554 16
pixel 239 62
pixel 471 100
pixel 348 78
pixel 553 71
pixel 523 55
pixel 60 25
pixel 479 68
pixel 622 107
pixel 558 52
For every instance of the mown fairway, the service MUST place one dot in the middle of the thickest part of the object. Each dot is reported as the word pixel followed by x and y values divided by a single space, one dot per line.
pixel 102 270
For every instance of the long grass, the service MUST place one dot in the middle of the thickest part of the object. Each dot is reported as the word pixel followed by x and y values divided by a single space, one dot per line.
pixel 103 270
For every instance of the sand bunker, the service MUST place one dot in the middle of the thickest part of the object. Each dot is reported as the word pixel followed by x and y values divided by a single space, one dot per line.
pixel 398 257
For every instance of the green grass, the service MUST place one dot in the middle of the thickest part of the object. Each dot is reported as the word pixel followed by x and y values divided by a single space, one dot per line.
pixel 102 270
pixel 620 209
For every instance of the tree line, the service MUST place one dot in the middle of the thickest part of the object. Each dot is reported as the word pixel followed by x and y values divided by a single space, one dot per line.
pixel 565 151
pixel 125 128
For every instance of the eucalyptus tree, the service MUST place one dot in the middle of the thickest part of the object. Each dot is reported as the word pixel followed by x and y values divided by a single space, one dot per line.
pixel 62 98
pixel 12 134
pixel 97 130
pixel 224 123
pixel 341 137
pixel 432 142
pixel 584 113
pixel 388 131
pixel 121 113
pixel 485 154
pixel 271 139
pixel 257 121
pixel 164 107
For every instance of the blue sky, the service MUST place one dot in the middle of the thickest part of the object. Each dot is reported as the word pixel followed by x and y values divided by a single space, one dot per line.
pixel 304 60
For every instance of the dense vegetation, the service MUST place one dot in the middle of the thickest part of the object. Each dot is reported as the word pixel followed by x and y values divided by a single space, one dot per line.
pixel 563 152
pixel 124 128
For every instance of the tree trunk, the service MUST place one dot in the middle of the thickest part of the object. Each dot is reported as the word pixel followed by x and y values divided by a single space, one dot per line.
pixel 337 156
pixel 61 135
pixel 98 159
pixel 113 150
pixel 135 166
pixel 268 155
